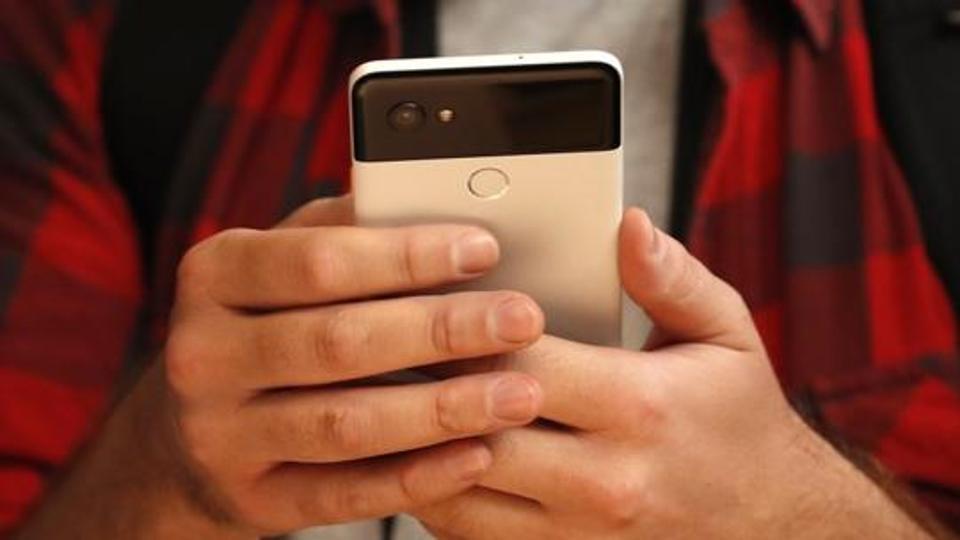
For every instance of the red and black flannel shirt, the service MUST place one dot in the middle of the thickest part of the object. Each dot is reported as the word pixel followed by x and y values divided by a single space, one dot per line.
pixel 797 127
pixel 803 208
pixel 272 133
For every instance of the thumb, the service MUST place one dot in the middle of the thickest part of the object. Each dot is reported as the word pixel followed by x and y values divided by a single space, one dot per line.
pixel 685 301
pixel 325 212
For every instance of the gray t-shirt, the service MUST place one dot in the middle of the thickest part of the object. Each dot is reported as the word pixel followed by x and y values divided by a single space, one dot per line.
pixel 645 35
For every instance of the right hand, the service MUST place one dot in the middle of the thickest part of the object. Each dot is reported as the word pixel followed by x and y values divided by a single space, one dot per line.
pixel 270 326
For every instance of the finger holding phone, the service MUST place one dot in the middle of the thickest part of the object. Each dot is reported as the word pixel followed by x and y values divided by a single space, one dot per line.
pixel 690 438
pixel 255 422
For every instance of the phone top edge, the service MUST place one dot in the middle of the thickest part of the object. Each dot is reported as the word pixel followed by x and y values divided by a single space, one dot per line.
pixel 441 63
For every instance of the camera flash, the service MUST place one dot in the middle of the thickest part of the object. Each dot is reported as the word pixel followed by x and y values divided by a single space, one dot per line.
pixel 446 115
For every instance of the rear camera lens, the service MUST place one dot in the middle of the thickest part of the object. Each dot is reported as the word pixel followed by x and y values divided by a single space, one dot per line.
pixel 406 116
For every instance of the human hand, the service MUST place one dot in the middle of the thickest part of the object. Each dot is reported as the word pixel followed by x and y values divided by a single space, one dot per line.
pixel 254 420
pixel 691 438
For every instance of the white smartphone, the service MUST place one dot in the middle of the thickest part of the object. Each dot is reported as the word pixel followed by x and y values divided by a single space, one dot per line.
pixel 528 146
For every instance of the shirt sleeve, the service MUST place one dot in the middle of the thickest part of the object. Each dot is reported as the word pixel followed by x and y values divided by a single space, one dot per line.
pixel 907 418
pixel 69 276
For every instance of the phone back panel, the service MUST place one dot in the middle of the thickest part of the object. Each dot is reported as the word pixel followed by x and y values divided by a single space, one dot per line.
pixel 557 218
pixel 556 223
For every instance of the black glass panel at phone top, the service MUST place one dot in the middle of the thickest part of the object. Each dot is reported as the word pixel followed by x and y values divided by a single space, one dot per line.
pixel 486 111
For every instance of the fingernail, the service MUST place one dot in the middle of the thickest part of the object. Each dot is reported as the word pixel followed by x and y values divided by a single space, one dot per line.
pixel 516 321
pixel 514 400
pixel 471 465
pixel 475 252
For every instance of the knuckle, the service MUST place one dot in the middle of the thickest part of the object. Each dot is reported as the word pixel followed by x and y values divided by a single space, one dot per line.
pixel 230 238
pixel 452 416
pixel 632 411
pixel 649 414
pixel 643 412
pixel 198 265
pixel 647 420
pixel 193 269
pixel 321 265
pixel 409 261
pixel 442 336
pixel 183 364
pixel 341 342
pixel 616 499
pixel 344 429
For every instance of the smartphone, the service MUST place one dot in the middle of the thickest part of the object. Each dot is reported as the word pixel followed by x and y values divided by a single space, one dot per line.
pixel 528 146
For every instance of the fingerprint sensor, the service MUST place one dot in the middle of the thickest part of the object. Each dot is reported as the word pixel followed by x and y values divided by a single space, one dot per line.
pixel 488 183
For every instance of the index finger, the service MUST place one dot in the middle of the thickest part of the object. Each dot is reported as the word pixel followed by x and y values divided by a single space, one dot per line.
pixel 290 267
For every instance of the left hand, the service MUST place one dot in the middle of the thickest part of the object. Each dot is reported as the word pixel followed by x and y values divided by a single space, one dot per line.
pixel 691 438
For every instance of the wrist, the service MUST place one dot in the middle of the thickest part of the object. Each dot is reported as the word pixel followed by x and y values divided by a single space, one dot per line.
pixel 822 494
pixel 129 482
pixel 171 502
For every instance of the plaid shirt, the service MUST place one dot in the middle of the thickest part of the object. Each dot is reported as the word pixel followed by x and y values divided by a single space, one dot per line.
pixel 272 134
pixel 803 208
